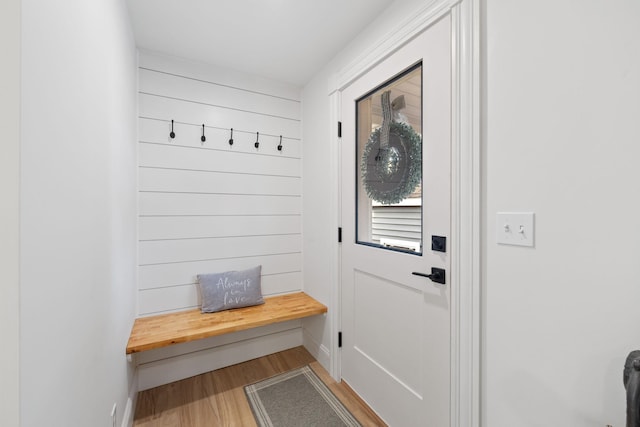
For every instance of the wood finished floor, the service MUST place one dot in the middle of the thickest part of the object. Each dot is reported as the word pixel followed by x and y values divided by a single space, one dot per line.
pixel 217 398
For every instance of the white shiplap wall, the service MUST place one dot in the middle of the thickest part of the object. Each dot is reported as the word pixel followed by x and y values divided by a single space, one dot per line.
pixel 210 207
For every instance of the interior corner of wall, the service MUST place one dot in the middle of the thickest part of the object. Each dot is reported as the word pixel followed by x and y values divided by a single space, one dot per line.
pixel 332 83
pixel 317 349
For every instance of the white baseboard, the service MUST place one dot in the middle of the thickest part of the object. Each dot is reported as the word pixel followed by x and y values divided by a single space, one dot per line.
pixel 317 350
pixel 180 366
pixel 132 399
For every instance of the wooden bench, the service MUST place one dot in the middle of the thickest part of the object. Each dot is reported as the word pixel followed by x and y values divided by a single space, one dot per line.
pixel 163 330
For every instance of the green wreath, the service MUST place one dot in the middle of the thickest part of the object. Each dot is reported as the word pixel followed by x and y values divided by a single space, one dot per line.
pixel 392 171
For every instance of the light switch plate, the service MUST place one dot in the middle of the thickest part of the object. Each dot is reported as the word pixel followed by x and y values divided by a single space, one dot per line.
pixel 515 228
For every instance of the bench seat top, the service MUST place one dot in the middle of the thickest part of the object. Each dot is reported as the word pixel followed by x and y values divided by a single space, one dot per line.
pixel 163 330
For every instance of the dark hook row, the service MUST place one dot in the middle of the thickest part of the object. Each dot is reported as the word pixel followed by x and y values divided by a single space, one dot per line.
pixel 203 138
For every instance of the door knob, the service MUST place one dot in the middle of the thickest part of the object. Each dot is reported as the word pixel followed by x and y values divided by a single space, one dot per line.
pixel 437 275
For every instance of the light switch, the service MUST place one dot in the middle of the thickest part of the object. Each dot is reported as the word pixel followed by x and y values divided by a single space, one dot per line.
pixel 515 228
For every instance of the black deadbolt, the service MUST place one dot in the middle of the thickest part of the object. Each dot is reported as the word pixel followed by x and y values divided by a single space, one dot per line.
pixel 439 243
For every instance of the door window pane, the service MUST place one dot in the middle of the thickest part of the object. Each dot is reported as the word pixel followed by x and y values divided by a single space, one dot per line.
pixel 389 169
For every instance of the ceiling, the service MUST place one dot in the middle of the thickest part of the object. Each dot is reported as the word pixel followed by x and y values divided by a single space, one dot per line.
pixel 285 40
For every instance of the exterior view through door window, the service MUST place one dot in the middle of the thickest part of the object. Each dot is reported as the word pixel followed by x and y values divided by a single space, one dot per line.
pixel 389 155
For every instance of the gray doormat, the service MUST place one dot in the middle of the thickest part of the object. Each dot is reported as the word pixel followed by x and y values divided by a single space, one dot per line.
pixel 294 399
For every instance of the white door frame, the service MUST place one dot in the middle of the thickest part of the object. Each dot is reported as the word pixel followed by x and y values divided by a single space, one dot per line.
pixel 465 192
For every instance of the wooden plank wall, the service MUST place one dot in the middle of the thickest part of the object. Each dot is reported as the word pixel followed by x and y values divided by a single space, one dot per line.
pixel 210 207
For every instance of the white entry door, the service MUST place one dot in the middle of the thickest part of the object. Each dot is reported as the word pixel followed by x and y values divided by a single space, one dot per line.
pixel 396 199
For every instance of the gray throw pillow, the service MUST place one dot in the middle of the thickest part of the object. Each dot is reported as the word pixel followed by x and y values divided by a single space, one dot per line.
pixel 231 289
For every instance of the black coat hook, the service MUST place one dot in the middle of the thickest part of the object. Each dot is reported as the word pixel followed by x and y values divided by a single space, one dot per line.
pixel 203 138
pixel 172 134
pixel 257 144
pixel 280 145
pixel 231 137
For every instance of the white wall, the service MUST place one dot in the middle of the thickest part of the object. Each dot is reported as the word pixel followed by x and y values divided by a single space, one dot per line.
pixel 562 101
pixel 78 210
pixel 10 212
pixel 561 104
pixel 212 207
